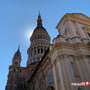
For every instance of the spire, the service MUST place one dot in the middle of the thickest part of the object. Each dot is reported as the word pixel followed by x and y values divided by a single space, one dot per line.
pixel 17 57
pixel 39 21
pixel 39 13
pixel 19 48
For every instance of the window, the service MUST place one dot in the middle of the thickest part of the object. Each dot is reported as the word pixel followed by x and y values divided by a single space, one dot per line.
pixel 20 85
pixel 31 61
pixel 38 50
pixel 16 63
pixel 17 55
pixel 34 50
pixel 40 36
pixel 34 59
pixel 41 49
pixel 89 35
pixel 45 49
pixel 49 79
pixel 38 59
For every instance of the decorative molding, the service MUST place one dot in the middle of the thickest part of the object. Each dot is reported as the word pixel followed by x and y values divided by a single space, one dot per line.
pixel 86 28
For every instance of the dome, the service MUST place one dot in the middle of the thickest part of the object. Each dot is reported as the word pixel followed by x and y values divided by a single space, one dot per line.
pixel 39 29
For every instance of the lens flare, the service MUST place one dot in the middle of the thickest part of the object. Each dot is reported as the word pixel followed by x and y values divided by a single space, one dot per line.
pixel 28 33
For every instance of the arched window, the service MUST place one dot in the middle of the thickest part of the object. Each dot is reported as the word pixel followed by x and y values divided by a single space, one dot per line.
pixel 44 49
pixel 34 50
pixel 40 36
pixel 16 63
pixel 41 49
pixel 38 50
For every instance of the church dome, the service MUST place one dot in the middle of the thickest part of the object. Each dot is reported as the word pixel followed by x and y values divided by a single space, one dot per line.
pixel 39 29
pixel 40 41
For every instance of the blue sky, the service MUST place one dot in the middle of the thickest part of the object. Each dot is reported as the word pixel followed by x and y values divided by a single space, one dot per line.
pixel 18 18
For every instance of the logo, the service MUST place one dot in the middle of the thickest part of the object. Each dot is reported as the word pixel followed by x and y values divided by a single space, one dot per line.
pixel 80 84
pixel 87 83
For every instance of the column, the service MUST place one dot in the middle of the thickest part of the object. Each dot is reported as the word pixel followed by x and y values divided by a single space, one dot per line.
pixel 71 77
pixel 86 66
pixel 61 76
pixel 54 75
pixel 77 60
pixel 67 71
pixel 83 68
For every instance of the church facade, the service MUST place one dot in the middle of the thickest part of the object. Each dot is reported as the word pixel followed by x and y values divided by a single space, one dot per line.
pixel 57 66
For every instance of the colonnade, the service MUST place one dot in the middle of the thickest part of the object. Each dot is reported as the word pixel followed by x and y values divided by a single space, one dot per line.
pixel 38 50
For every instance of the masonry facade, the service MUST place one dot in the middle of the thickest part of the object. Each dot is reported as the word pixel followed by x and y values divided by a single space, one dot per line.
pixel 55 66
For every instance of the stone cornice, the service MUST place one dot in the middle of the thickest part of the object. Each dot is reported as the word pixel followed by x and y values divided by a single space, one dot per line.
pixel 75 47
pixel 86 28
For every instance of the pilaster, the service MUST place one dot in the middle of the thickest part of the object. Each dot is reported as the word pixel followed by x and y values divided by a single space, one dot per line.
pixel 54 75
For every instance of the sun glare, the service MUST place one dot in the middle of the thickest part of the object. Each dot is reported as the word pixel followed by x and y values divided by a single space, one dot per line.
pixel 29 32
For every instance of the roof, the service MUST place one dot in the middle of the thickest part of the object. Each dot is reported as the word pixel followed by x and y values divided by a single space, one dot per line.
pixel 38 67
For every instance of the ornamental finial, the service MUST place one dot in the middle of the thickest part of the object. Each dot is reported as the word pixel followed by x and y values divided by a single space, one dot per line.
pixel 39 13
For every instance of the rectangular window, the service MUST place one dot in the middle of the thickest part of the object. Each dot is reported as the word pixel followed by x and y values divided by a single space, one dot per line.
pixel 38 59
pixel 34 59
pixel 89 35
pixel 49 79
pixel 30 61
pixel 34 50
pixel 20 85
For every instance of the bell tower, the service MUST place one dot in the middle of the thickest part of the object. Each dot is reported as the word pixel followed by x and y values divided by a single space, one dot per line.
pixel 17 58
pixel 40 41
